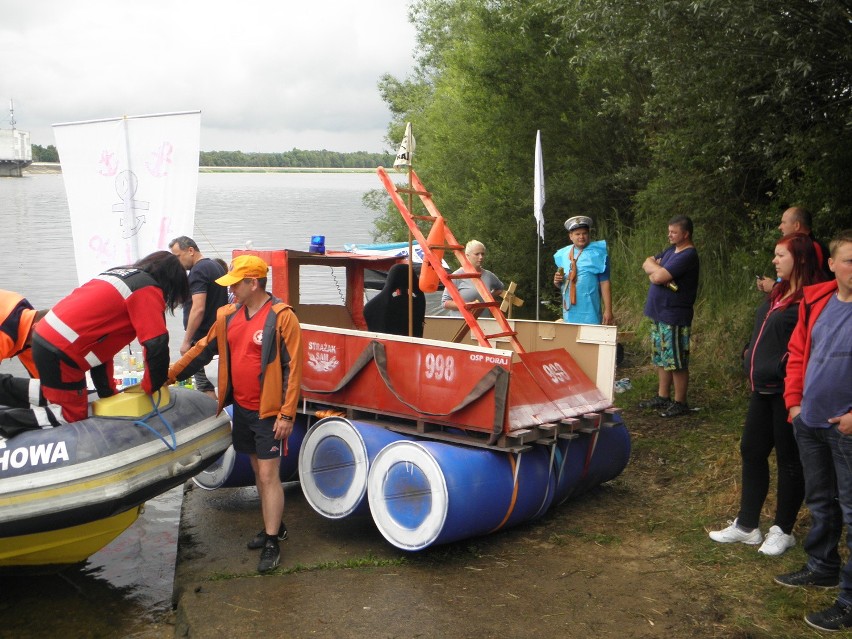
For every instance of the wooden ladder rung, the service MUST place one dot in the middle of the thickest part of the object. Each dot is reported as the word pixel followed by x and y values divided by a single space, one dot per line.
pixel 464 276
pixel 422 218
pixel 402 189
pixel 503 334
pixel 471 306
pixel 447 247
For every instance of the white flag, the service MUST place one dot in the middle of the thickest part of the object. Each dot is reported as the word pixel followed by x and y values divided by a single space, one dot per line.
pixel 538 188
pixel 131 184
pixel 406 149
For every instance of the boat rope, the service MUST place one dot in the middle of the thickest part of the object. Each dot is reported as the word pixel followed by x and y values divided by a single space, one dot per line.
pixel 514 467
pixel 561 458
pixel 156 411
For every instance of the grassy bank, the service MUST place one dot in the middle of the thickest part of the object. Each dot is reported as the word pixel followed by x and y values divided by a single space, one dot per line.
pixel 686 473
pixel 684 479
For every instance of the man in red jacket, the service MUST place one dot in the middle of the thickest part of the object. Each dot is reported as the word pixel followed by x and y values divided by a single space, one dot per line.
pixel 818 394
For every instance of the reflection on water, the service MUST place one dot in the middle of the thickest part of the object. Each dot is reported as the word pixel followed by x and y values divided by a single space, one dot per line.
pixel 125 589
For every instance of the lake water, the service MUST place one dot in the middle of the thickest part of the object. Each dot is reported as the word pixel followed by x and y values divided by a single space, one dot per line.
pixel 125 589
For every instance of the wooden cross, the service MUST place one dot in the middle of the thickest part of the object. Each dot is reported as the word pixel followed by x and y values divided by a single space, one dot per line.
pixel 510 300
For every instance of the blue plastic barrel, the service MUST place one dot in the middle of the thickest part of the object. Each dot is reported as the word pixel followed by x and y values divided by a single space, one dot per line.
pixel 233 469
pixel 424 493
pixel 590 459
pixel 334 461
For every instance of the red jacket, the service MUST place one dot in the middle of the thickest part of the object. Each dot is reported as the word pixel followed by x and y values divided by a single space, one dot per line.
pixel 104 315
pixel 815 299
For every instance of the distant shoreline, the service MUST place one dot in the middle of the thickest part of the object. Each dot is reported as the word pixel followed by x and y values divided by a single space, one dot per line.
pixel 55 167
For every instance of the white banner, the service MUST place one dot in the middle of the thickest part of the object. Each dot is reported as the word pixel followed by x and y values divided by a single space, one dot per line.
pixel 538 187
pixel 405 153
pixel 131 184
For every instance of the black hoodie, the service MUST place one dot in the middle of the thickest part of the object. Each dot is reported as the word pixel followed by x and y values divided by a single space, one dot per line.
pixel 765 358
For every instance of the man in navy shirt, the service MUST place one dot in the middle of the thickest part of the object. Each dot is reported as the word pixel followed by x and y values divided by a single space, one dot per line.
pixel 207 296
pixel 674 285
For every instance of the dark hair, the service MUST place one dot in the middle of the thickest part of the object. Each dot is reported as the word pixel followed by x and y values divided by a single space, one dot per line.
pixel 170 276
pixel 807 269
pixel 184 243
pixel 684 222
pixel 802 216
pixel 221 263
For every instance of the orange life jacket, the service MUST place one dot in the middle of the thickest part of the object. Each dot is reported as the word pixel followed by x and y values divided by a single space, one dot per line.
pixel 16 322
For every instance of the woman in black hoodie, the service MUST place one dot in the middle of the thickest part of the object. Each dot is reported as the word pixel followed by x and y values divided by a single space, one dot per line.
pixel 766 425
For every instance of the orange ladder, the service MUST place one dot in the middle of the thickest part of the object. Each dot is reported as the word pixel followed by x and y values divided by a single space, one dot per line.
pixel 469 310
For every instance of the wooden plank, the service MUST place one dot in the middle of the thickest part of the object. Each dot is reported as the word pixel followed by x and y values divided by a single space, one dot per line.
pixel 453 438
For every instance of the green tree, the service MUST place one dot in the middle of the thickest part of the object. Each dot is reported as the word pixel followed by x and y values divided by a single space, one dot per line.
pixel 489 75
pixel 45 154
pixel 750 107
pixel 295 158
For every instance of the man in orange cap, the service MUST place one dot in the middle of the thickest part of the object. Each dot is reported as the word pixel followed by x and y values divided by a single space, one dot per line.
pixel 17 319
pixel 259 343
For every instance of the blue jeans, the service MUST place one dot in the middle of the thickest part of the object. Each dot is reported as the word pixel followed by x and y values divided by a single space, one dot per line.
pixel 826 455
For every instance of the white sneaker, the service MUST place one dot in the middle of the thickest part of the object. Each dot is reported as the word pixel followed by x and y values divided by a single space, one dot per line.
pixel 777 541
pixel 734 533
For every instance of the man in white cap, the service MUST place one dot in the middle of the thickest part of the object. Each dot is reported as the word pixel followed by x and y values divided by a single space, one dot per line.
pixel 259 343
pixel 583 275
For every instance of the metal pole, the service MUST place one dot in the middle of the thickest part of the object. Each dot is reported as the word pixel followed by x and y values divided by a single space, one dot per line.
pixel 537 271
pixel 410 254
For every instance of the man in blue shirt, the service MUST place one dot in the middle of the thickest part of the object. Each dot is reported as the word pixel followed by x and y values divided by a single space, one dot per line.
pixel 674 286
pixel 818 394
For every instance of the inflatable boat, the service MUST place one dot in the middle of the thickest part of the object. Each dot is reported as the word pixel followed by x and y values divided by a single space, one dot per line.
pixel 66 492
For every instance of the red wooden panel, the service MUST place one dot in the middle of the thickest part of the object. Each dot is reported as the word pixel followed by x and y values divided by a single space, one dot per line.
pixel 404 377
pixel 529 405
pixel 564 383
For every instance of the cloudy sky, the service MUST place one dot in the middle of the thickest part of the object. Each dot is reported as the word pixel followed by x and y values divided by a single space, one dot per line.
pixel 267 75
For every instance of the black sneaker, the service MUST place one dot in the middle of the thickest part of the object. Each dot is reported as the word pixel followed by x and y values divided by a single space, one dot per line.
pixel 838 617
pixel 675 409
pixel 270 556
pixel 657 402
pixel 259 540
pixel 807 577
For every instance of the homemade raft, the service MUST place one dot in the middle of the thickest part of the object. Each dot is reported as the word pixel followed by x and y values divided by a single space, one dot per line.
pixel 440 439
pixel 443 441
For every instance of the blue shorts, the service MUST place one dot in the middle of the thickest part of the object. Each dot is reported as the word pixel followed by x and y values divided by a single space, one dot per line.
pixel 254 436
pixel 670 346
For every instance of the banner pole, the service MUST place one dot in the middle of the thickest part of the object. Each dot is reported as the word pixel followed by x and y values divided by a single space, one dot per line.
pixel 537 273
